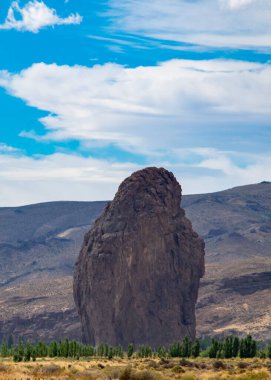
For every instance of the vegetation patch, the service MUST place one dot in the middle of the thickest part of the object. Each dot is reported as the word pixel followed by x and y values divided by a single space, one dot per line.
pixel 260 375
pixel 219 364
pixel 129 374
pixel 48 370
pixel 3 368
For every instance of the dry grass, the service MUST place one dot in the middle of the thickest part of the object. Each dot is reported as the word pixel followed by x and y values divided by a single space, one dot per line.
pixel 138 369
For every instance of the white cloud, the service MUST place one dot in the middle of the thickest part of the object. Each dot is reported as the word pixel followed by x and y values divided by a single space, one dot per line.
pixel 237 4
pixel 128 106
pixel 164 112
pixel 212 23
pixel 34 16
pixel 4 148
pixel 26 180
pixel 227 172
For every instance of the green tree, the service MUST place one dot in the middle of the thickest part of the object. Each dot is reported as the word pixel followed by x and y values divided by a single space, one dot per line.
pixel 28 352
pixel 144 352
pixel 10 341
pixel 228 347
pixel 52 351
pixel 220 353
pixel 110 353
pixel 33 354
pixel 175 350
pixel 101 350
pixel 66 348
pixel 161 352
pixel 186 348
pixel 118 351
pixel 130 350
pixel 262 354
pixel 41 350
pixel 235 346
pixel 214 348
pixel 4 348
pixel 195 349
pixel 248 347
pixel 20 350
pixel 253 348
pixel 16 357
pixel 74 349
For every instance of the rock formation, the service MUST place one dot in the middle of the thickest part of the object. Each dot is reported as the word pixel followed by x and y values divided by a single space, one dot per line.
pixel 137 275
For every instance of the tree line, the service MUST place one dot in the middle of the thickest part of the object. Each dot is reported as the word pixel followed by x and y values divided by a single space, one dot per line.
pixel 229 347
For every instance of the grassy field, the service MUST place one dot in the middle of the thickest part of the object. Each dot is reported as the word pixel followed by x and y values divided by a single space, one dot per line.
pixel 138 369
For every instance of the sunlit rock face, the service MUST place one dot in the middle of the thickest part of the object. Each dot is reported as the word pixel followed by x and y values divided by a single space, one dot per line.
pixel 137 275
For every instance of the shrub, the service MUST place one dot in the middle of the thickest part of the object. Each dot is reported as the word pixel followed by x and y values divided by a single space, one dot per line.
pixel 87 375
pixel 261 375
pixel 186 363
pixel 188 376
pixel 163 361
pixel 152 364
pixel 129 374
pixel 168 365
pixel 3 368
pixel 219 364
pixel 243 365
pixel 178 369
pixel 126 374
pixel 145 375
pixel 114 373
pixel 49 370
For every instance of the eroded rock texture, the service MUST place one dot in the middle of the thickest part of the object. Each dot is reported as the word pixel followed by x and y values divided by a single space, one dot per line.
pixel 137 276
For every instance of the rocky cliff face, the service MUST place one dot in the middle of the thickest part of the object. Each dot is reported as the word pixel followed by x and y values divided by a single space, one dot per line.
pixel 137 276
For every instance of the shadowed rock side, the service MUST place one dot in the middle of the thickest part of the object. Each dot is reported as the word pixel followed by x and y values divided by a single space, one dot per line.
pixel 137 276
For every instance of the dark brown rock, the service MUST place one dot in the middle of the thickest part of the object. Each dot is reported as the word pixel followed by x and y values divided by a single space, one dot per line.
pixel 137 276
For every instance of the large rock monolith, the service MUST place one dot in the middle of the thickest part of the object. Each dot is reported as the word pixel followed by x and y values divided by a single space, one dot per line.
pixel 138 272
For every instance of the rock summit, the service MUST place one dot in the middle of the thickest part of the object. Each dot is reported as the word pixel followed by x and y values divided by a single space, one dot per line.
pixel 137 275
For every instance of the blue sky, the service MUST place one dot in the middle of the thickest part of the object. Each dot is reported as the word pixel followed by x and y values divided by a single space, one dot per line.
pixel 92 91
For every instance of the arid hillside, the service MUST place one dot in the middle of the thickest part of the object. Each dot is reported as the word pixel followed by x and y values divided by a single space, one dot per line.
pixel 39 245
pixel 235 293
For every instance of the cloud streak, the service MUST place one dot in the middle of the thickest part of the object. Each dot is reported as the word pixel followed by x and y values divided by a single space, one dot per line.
pixel 238 24
pixel 34 16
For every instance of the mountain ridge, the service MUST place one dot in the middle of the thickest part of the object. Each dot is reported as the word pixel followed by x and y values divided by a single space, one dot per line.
pixel 39 244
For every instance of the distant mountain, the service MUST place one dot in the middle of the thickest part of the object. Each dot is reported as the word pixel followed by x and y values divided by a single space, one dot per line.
pixel 235 293
pixel 44 237
pixel 39 245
